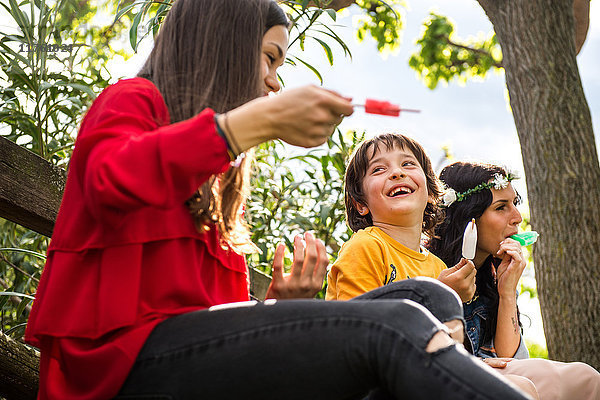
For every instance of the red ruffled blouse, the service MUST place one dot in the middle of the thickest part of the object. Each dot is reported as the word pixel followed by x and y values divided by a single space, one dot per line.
pixel 125 254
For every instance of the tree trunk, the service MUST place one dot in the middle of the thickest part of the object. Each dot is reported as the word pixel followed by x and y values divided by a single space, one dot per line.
pixel 561 165
pixel 18 370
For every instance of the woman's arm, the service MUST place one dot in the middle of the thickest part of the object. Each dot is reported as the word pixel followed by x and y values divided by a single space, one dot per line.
pixel 128 156
pixel 304 116
pixel 508 335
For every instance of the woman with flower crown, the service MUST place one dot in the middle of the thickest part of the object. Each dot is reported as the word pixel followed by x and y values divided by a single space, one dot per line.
pixel 484 192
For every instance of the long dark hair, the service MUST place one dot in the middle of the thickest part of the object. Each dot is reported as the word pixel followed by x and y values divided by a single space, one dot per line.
pixel 357 170
pixel 447 241
pixel 207 55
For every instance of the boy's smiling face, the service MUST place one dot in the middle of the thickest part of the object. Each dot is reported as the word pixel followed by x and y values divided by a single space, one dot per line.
pixel 395 188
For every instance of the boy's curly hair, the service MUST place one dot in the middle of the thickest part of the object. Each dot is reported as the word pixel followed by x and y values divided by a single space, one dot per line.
pixel 357 169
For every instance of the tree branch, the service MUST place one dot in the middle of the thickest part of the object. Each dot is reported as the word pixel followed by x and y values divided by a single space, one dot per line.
pixel 333 4
pixel 477 52
pixel 581 12
pixel 18 269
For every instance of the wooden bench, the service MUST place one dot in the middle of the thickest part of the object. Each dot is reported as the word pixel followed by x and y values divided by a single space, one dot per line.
pixel 30 194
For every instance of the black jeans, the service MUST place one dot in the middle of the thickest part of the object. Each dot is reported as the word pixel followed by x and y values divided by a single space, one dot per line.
pixel 310 350
pixel 443 303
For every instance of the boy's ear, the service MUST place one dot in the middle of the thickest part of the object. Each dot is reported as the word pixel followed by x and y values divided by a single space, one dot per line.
pixel 361 208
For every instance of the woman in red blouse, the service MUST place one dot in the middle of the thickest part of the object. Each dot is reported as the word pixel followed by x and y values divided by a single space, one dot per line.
pixel 150 239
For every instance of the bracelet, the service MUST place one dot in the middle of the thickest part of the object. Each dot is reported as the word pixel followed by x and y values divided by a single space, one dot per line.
pixel 231 137
pixel 221 133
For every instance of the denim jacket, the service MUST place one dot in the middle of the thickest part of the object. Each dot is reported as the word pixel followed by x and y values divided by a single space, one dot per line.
pixel 476 312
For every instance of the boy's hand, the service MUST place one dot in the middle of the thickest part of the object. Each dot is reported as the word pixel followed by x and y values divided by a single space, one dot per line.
pixel 308 270
pixel 461 278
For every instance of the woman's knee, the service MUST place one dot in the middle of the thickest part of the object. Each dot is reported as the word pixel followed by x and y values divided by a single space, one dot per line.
pixel 559 380
pixel 407 318
pixel 582 380
pixel 456 329
pixel 525 384
pixel 442 301
pixel 435 289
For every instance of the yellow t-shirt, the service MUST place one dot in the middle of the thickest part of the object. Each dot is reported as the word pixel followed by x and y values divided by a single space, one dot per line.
pixel 370 259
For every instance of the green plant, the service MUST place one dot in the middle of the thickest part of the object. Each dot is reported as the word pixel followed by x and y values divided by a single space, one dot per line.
pixel 50 73
pixel 537 351
pixel 21 261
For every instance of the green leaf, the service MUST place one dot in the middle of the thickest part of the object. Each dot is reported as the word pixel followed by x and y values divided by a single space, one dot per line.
pixel 133 30
pixel 16 327
pixel 313 69
pixel 327 49
pixel 15 55
pixel 3 301
pixel 332 14
pixel 22 306
pixel 6 7
pixel 339 41
pixel 21 19
pixel 30 252
pixel 78 86
pixel 124 10
pixel 161 12
pixel 17 294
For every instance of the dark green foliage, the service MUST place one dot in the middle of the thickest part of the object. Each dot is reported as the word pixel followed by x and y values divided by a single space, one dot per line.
pixel 21 261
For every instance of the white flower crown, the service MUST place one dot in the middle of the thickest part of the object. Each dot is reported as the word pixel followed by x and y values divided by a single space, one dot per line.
pixel 498 182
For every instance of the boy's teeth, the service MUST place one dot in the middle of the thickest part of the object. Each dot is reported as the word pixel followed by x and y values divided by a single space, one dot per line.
pixel 401 190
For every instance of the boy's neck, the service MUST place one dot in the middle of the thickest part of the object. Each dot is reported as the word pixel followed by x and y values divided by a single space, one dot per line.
pixel 408 236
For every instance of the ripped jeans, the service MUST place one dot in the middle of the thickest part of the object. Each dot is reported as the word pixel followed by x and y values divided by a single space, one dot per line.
pixel 313 349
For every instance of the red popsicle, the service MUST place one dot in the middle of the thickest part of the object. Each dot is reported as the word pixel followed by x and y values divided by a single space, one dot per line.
pixel 384 108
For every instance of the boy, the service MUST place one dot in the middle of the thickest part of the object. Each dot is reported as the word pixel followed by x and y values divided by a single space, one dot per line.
pixel 391 196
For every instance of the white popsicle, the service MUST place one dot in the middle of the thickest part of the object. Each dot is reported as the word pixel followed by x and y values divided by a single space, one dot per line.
pixel 469 243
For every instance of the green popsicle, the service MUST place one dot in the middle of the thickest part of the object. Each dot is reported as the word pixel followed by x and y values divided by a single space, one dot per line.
pixel 526 238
